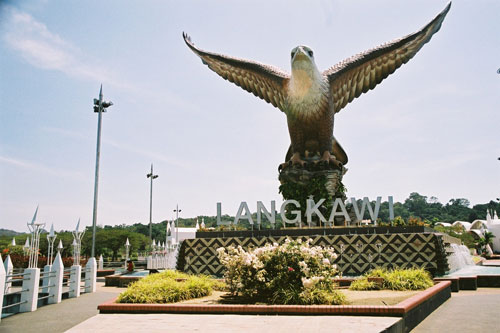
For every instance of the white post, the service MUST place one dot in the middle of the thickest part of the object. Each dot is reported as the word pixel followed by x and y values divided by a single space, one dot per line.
pixel 91 275
pixel 101 263
pixel 74 281
pixel 149 264
pixel 55 292
pixel 29 295
pixel 9 268
pixel 46 280
pixel 2 283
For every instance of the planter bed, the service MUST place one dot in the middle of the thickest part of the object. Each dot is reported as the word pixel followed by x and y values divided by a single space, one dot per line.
pixel 120 280
pixel 105 272
pixel 412 310
pixel 313 231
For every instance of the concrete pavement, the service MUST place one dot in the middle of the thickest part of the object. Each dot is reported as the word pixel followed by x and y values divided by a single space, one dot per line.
pixel 466 311
pixel 184 323
pixel 59 317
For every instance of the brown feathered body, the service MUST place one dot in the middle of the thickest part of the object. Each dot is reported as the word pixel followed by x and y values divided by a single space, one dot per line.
pixel 310 98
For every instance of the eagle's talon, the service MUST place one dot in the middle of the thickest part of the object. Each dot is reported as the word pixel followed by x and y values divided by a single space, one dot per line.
pixel 329 159
pixel 296 160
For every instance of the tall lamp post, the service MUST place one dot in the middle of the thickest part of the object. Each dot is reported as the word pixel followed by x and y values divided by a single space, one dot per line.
pixel 100 106
pixel 152 176
pixel 177 211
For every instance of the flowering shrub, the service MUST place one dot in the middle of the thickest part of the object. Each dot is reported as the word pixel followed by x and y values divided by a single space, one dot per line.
pixel 291 273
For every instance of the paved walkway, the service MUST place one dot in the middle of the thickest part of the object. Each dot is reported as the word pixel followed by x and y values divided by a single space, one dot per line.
pixel 59 317
pixel 466 311
pixel 180 323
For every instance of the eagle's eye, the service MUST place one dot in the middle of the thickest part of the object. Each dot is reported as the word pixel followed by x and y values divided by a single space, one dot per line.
pixel 310 52
pixel 293 53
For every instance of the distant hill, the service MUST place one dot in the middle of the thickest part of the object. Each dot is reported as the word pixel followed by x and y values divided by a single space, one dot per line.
pixel 7 232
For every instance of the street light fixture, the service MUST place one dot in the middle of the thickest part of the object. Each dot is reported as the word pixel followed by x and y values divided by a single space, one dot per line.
pixel 152 176
pixel 100 106
pixel 177 211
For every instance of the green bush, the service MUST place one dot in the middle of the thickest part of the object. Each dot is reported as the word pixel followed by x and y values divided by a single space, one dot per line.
pixel 397 279
pixel 398 222
pixel 168 287
pixel 363 284
pixel 291 273
pixel 408 279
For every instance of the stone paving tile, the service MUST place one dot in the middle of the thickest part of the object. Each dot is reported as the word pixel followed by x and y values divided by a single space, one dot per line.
pixel 180 323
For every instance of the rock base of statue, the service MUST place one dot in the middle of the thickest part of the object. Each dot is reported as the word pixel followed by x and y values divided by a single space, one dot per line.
pixel 317 180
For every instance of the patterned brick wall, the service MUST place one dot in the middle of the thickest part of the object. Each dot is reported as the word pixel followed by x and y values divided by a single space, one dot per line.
pixel 357 254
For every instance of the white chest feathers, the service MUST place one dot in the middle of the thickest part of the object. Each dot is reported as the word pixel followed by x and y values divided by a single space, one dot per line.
pixel 307 92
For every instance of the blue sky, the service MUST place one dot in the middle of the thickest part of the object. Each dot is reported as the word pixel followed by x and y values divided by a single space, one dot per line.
pixel 432 127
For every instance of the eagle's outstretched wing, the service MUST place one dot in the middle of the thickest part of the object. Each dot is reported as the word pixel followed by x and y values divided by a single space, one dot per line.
pixel 266 82
pixel 362 72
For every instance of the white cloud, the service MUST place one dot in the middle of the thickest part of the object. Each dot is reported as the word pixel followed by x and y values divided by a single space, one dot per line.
pixel 39 167
pixel 46 50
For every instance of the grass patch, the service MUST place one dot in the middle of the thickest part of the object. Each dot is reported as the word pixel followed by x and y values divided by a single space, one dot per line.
pixel 398 279
pixel 169 287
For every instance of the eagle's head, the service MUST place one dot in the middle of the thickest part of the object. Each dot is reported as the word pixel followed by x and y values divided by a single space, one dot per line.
pixel 303 61
pixel 302 55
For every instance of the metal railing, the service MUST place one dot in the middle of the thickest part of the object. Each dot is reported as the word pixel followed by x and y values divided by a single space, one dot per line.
pixel 43 286
pixel 11 278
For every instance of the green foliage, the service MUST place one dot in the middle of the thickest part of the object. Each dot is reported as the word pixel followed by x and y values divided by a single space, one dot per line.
pixel 398 221
pixel 291 273
pixel 487 239
pixel 397 279
pixel 458 232
pixel 315 187
pixel 168 287
pixel 363 284
pixel 322 296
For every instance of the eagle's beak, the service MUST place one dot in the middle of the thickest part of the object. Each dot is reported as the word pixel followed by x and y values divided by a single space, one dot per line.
pixel 300 55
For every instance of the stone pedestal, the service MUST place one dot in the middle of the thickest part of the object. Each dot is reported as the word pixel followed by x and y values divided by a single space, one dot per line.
pixel 316 180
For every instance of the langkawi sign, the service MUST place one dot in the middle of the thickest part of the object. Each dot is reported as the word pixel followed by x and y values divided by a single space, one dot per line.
pixel 338 209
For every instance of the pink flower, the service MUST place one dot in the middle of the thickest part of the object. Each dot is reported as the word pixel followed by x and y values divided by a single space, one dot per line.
pixel 290 269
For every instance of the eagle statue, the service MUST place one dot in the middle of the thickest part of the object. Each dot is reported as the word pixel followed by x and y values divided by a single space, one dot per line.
pixel 310 98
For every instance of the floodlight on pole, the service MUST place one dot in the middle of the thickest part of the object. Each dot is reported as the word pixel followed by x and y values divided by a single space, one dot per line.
pixel 152 176
pixel 177 211
pixel 100 106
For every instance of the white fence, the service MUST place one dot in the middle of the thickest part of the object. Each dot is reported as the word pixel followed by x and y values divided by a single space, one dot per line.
pixel 48 284
pixel 163 260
